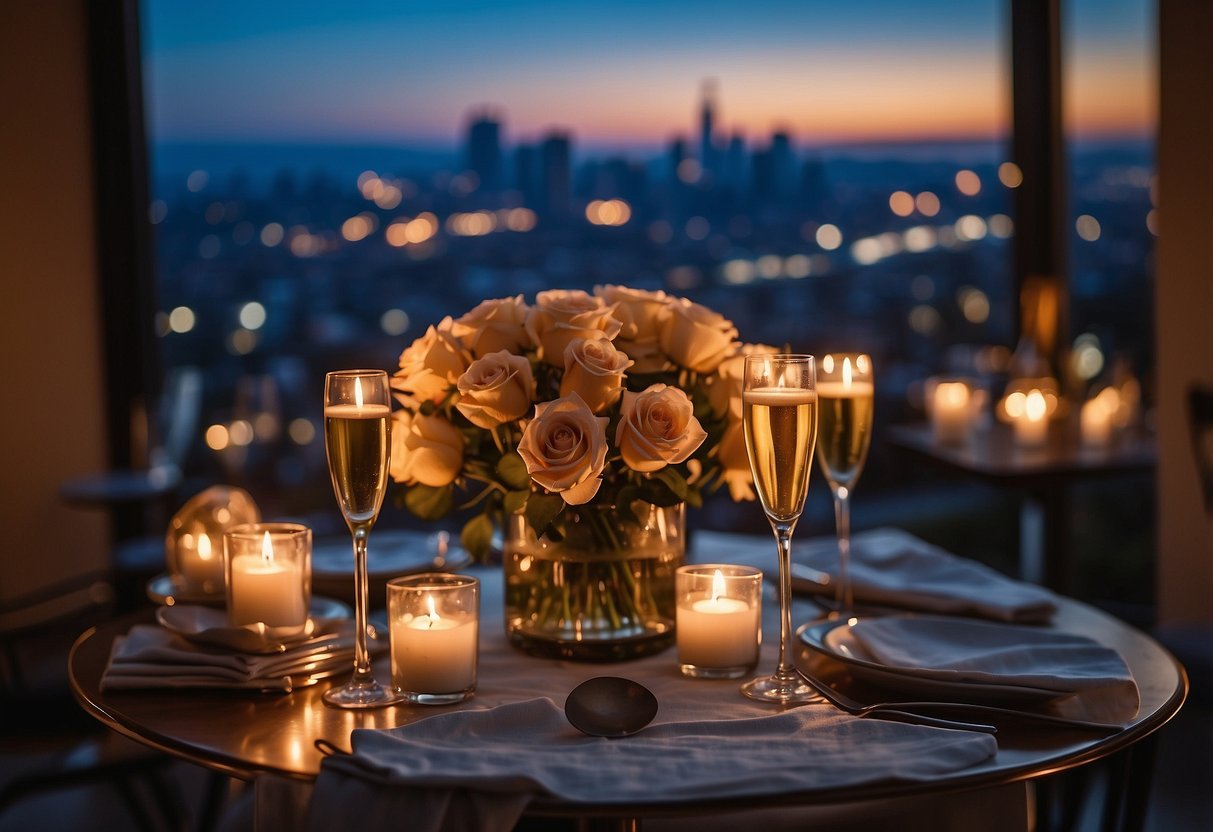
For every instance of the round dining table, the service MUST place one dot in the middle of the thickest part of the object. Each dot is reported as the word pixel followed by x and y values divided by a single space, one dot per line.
pixel 246 734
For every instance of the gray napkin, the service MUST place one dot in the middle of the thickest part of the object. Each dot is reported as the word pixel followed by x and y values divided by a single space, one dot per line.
pixel 987 653
pixel 152 657
pixel 479 768
pixel 889 566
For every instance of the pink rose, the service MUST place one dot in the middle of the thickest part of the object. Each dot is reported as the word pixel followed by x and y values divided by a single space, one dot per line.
pixel 430 366
pixel 494 325
pixel 657 428
pixel 593 369
pixel 564 448
pixel 735 462
pixel 696 337
pixel 640 314
pixel 495 389
pixel 560 315
pixel 425 449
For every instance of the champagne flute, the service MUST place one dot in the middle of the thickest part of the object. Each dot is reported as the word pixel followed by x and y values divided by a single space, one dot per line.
pixel 779 413
pixel 357 410
pixel 845 398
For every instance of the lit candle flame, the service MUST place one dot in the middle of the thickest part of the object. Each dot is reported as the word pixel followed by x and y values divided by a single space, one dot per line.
pixel 433 614
pixel 267 548
pixel 846 372
pixel 1034 406
pixel 204 547
pixel 358 391
pixel 717 586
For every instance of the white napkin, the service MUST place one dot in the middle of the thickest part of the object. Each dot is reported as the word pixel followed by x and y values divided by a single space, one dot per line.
pixel 889 566
pixel 981 652
pixel 152 657
pixel 479 768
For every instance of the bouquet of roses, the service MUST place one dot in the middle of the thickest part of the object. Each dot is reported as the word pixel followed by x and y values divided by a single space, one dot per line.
pixel 579 400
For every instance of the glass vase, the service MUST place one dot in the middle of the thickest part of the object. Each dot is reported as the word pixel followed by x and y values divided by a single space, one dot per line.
pixel 599 586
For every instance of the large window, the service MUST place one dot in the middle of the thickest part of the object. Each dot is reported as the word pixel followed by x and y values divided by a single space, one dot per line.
pixel 329 180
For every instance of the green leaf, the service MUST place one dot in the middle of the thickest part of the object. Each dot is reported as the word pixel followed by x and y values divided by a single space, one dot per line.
pixel 516 500
pixel 477 536
pixel 513 472
pixel 658 493
pixel 542 509
pixel 623 503
pixel 694 498
pixel 673 480
pixel 429 502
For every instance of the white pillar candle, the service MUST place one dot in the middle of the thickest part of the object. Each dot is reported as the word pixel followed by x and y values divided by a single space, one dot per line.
pixel 1095 422
pixel 434 654
pixel 1032 425
pixel 951 413
pixel 267 590
pixel 201 566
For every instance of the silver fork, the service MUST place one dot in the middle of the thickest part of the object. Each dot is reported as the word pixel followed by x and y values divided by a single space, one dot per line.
pixel 962 708
pixel 890 711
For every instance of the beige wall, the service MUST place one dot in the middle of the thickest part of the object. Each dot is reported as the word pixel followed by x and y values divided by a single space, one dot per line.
pixel 51 425
pixel 1184 302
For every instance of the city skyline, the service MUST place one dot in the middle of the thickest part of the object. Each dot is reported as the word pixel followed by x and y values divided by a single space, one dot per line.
pixel 623 78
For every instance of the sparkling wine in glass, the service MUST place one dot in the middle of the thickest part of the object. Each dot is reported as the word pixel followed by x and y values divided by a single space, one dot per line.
pixel 357 411
pixel 845 398
pixel 779 412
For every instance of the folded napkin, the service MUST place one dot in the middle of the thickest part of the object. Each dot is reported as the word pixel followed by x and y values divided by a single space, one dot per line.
pixel 981 652
pixel 152 657
pixel 478 768
pixel 889 566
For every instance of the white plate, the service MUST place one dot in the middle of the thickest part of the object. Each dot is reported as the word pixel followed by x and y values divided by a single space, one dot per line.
pixel 209 626
pixel 390 553
pixel 835 640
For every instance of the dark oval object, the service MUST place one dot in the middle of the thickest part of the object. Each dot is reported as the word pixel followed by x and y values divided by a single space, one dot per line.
pixel 610 706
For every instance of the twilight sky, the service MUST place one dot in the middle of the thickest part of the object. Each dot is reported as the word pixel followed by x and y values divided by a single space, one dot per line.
pixel 623 73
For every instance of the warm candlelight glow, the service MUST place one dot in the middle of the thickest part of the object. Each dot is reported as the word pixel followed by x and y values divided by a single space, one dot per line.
pixel 717 586
pixel 846 372
pixel 718 620
pixel 357 391
pixel 267 548
pixel 204 547
pixel 1034 405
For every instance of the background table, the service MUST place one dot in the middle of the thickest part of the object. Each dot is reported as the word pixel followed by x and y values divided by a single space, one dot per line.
pixel 1043 474
pixel 244 735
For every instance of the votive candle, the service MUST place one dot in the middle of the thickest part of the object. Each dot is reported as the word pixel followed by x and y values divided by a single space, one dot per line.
pixel 718 620
pixel 434 621
pixel 269 578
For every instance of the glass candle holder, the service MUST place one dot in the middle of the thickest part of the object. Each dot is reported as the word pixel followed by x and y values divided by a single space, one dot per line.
pixel 193 545
pixel 435 625
pixel 953 407
pixel 719 620
pixel 268 567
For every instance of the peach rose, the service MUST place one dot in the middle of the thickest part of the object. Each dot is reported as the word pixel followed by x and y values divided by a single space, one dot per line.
pixel 593 369
pixel 696 337
pixel 724 388
pixel 496 388
pixel 564 448
pixel 430 366
pixel 425 449
pixel 657 428
pixel 494 325
pixel 640 314
pixel 560 315
pixel 735 462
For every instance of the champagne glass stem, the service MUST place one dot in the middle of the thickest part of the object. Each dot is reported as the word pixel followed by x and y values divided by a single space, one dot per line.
pixel 842 521
pixel 362 658
pixel 783 538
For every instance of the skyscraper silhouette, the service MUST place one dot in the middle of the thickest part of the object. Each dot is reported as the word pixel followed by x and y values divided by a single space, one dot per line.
pixel 708 154
pixel 483 152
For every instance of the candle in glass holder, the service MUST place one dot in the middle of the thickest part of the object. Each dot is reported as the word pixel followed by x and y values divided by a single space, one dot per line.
pixel 951 412
pixel 434 620
pixel 268 575
pixel 1096 418
pixel 200 564
pixel 718 620
pixel 1031 426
